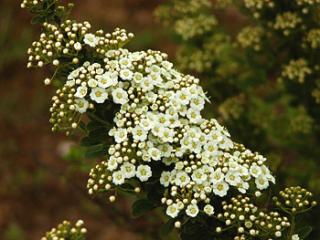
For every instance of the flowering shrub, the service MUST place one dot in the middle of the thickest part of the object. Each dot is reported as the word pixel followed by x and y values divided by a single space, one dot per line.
pixel 144 117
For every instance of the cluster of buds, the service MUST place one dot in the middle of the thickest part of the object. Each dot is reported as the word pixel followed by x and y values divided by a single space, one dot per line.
pixel 66 230
pixel 250 221
pixel 56 42
pixel 295 200
pixel 296 70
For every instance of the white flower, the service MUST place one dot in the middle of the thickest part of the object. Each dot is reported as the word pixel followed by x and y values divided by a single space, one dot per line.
pixel 192 210
pixel 81 92
pixel 255 170
pixel 182 96
pixel 137 77
pixel 166 150
pixel 143 173
pixel 154 153
pixel 146 124
pixel 194 115
pixel 166 64
pixel 208 209
pixel 112 163
pixel 74 74
pixel 165 178
pixel 125 62
pixel 146 84
pixel 166 134
pixel 262 182
pixel 217 176
pixel 233 178
pixel 91 40
pixel 139 134
pixel 220 189
pixel 120 135
pixel 128 169
pixel 199 176
pixel 295 237
pixel 197 103
pixel 81 105
pixel 77 46
pixel 107 79
pixel 182 179
pixel 126 74
pixel 120 96
pixel 172 210
pixel 243 187
pixel 118 178
pixel 99 95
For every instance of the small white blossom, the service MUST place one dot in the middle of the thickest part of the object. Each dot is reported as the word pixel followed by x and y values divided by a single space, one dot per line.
pixel 120 135
pixel 139 134
pixel 107 79
pixel 81 105
pixel 77 46
pixel 208 209
pixel 91 40
pixel 120 96
pixel 192 210
pixel 172 210
pixel 128 169
pixel 126 74
pixel 262 182
pixel 143 173
pixel 118 178
pixel 220 188
pixel 81 92
pixel 165 179
pixel 99 95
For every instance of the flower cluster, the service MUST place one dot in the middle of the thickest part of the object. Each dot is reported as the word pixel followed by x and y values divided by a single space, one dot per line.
pixel 159 122
pixel 257 5
pixel 296 70
pixel 250 221
pixel 194 23
pixel 312 39
pixel 233 107
pixel 250 37
pixel 65 230
pixel 295 200
pixel 286 22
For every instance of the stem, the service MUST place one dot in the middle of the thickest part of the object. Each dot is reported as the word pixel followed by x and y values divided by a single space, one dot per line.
pixel 292 227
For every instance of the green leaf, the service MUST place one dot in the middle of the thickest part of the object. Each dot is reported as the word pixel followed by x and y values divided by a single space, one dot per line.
pixel 142 206
pixel 304 232
pixel 167 227
pixel 96 151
